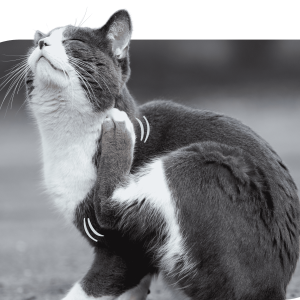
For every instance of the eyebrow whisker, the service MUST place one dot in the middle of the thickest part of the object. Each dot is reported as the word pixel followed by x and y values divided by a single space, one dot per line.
pixel 82 21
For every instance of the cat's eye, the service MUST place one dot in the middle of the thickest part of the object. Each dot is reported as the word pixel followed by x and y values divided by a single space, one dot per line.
pixel 73 40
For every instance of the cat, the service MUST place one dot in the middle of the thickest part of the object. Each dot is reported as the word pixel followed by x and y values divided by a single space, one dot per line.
pixel 204 201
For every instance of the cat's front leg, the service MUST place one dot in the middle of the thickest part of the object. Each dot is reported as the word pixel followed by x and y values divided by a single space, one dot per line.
pixel 117 147
pixel 111 277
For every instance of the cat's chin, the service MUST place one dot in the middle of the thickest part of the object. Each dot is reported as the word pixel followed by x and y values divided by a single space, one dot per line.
pixel 47 75
pixel 46 61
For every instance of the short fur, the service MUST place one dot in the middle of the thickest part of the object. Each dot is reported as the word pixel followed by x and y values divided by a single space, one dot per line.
pixel 205 201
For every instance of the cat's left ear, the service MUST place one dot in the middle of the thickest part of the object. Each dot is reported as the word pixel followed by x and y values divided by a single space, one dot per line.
pixel 118 32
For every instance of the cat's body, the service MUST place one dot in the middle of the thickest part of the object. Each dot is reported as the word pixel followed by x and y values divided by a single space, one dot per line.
pixel 204 201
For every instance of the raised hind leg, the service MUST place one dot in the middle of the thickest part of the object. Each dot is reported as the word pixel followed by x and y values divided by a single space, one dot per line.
pixel 201 213
pixel 228 225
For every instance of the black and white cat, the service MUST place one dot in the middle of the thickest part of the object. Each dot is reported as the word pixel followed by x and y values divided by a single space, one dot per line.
pixel 205 201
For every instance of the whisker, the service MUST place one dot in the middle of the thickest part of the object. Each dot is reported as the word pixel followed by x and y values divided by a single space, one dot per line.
pixel 72 62
pixel 89 64
pixel 19 63
pixel 13 60
pixel 83 80
pixel 26 99
pixel 88 86
pixel 24 55
pixel 19 83
pixel 14 85
pixel 77 61
pixel 11 75
pixel 82 21
pixel 86 19
pixel 105 84
pixel 14 68
pixel 83 17
pixel 68 78
pixel 84 63
pixel 14 80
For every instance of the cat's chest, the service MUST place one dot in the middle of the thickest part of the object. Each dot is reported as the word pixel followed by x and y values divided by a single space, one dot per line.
pixel 69 171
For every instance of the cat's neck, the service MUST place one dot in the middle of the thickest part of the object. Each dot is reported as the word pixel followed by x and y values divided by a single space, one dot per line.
pixel 125 102
pixel 62 115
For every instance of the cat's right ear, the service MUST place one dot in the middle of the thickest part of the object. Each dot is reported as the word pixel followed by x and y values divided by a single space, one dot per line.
pixel 118 33
pixel 37 36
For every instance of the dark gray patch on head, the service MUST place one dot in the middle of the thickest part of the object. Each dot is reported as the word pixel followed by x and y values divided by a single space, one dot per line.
pixel 94 68
pixel 101 73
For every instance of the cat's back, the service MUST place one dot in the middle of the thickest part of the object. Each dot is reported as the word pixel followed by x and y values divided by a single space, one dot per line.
pixel 174 126
pixel 168 120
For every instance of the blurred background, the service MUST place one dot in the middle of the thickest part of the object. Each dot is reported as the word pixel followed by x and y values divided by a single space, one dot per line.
pixel 257 82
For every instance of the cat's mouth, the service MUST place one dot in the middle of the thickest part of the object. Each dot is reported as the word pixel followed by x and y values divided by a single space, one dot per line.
pixel 44 58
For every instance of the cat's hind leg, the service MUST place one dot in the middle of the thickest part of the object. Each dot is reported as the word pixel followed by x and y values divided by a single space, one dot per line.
pixel 203 215
pixel 228 222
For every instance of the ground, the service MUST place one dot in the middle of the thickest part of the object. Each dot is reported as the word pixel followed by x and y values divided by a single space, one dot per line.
pixel 40 256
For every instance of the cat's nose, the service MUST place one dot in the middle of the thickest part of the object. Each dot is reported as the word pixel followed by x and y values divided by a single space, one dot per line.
pixel 42 43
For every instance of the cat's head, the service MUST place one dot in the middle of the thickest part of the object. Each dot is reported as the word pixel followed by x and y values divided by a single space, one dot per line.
pixel 93 61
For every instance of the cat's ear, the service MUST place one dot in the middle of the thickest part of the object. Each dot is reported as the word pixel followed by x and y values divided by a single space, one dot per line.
pixel 37 36
pixel 118 32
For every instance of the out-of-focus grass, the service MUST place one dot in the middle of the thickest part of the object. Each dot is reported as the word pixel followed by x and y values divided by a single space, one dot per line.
pixel 40 257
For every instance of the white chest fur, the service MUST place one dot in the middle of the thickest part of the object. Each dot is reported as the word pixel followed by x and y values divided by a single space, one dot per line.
pixel 69 142
pixel 69 171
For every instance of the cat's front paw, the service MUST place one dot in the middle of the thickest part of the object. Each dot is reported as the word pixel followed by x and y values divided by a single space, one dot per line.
pixel 119 117
pixel 117 142
pixel 117 147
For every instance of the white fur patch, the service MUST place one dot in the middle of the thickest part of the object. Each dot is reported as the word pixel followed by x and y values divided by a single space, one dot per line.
pixel 77 293
pixel 172 288
pixel 68 126
pixel 139 292
pixel 69 144
pixel 150 184
pixel 50 64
